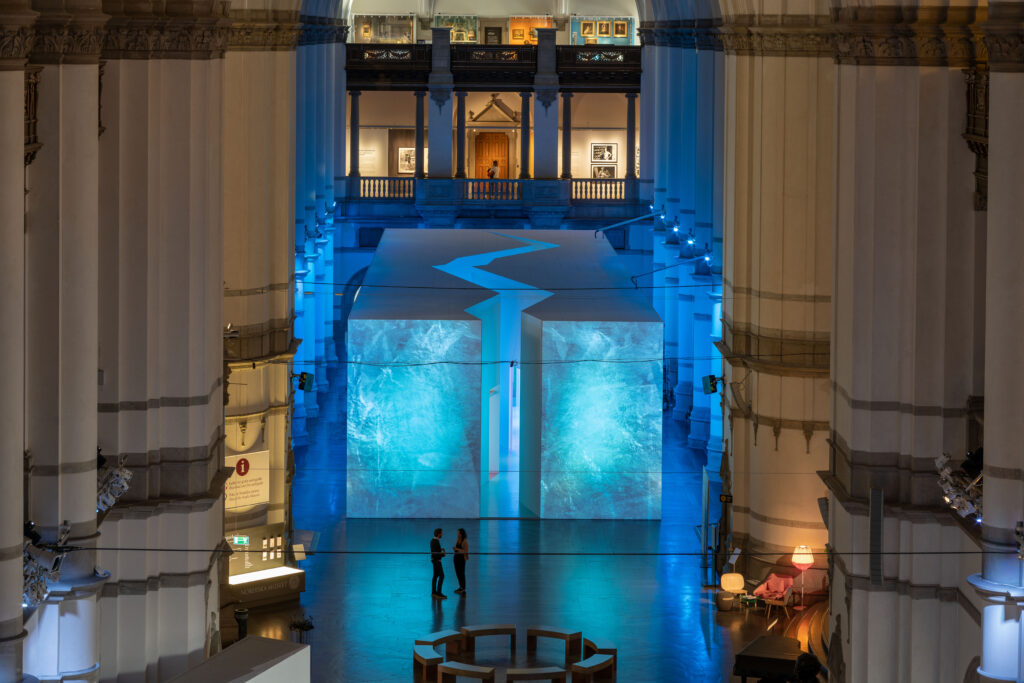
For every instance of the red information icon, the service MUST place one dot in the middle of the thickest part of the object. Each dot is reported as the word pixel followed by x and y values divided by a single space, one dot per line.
pixel 242 467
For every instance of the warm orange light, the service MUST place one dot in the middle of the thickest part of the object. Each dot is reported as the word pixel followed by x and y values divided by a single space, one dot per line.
pixel 803 557
pixel 733 583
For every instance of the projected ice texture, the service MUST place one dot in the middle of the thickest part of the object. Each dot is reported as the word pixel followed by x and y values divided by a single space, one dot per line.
pixel 413 422
pixel 601 421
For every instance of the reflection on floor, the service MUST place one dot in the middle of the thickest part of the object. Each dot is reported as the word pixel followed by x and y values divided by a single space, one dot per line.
pixel 636 584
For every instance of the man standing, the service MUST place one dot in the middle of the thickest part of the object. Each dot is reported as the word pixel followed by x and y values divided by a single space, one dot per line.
pixel 494 172
pixel 436 553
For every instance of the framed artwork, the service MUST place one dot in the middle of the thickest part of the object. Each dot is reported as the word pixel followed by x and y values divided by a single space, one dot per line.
pixel 604 29
pixel 619 29
pixel 407 160
pixel 590 41
pixel 518 34
pixel 603 171
pixel 492 35
pixel 366 30
pixel 604 151
pixel 458 36
pixel 586 28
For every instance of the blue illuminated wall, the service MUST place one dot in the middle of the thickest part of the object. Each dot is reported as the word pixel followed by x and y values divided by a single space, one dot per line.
pixel 600 420
pixel 413 430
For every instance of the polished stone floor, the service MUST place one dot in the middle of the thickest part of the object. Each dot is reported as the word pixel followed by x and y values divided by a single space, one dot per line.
pixel 637 584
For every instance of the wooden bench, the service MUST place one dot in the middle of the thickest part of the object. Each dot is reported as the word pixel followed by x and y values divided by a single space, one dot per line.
pixel 597 646
pixel 452 641
pixel 594 668
pixel 547 673
pixel 471 633
pixel 573 641
pixel 447 672
pixel 425 659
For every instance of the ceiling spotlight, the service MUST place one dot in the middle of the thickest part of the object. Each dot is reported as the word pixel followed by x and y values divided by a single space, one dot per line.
pixel 675 228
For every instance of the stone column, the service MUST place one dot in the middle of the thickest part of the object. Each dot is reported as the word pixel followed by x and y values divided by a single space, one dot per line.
pixel 648 88
pixel 545 110
pixel 630 135
pixel 439 124
pixel 778 234
pixel 460 134
pixel 524 135
pixel 340 94
pixel 62 302
pixel 1001 584
pixel 16 33
pixel 353 127
pixel 566 135
pixel 420 94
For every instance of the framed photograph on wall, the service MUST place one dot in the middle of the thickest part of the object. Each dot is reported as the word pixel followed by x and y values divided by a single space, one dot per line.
pixel 366 30
pixel 518 33
pixel 604 29
pixel 590 41
pixel 458 36
pixel 603 171
pixel 586 28
pixel 407 160
pixel 604 151
pixel 619 29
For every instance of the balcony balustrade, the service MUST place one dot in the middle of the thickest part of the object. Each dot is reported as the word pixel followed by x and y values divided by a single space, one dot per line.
pixel 583 68
pixel 581 189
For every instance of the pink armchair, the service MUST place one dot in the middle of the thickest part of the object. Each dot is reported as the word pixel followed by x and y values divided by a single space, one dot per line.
pixel 776 591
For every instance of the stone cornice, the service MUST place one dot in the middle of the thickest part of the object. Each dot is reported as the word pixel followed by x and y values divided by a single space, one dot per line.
pixel 897 36
pixel 68 39
pixel 16 38
pixel 165 37
pixel 264 31
pixel 1004 37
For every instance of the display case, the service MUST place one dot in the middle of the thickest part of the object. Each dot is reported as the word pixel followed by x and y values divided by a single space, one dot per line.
pixel 465 28
pixel 602 31
pixel 523 30
pixel 383 28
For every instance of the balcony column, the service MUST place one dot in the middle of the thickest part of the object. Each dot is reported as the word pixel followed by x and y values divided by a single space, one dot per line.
pixel 630 135
pixel 524 136
pixel 545 110
pixel 648 85
pixel 353 128
pixel 567 135
pixel 420 94
pixel 340 115
pixel 439 134
pixel 1000 584
pixel 460 135
pixel 12 344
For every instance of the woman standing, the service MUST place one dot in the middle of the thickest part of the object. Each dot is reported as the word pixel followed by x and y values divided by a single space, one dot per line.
pixel 461 555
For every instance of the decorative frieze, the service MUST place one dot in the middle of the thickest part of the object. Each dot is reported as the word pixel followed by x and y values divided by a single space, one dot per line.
pixel 1004 36
pixel 247 35
pixel 15 44
pixel 66 40
pixel 318 30
pixel 165 38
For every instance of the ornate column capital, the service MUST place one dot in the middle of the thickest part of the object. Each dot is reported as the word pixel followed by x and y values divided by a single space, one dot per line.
pixel 16 37
pixel 317 30
pixel 68 39
pixel 898 36
pixel 1004 36
pixel 263 31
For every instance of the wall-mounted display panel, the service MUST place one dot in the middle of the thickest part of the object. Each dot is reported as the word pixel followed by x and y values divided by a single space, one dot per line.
pixel 523 30
pixel 602 31
pixel 383 28
pixel 465 28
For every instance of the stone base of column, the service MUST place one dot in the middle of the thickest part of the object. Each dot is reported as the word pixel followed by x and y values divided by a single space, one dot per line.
pixel 700 427
pixel 11 658
pixel 1001 636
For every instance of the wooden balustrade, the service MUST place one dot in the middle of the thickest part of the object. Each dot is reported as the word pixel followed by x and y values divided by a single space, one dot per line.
pixel 386 188
pixel 600 190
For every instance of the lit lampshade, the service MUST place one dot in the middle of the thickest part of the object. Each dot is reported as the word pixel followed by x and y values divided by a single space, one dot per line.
pixel 733 582
pixel 803 557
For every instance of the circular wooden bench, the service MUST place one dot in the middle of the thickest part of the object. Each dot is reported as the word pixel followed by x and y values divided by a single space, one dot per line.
pixel 471 633
pixel 424 662
pixel 573 641
pixel 547 673
pixel 594 668
pixel 447 672
pixel 598 646
pixel 452 641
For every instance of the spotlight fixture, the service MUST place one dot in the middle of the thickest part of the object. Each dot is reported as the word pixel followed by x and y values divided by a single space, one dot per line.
pixel 960 491
pixel 41 563
pixel 690 238
pixel 113 481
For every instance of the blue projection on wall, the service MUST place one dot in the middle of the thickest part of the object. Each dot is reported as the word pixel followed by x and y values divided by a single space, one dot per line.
pixel 481 383
pixel 413 430
pixel 601 421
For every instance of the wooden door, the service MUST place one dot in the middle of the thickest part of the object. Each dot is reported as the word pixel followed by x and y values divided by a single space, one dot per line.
pixel 491 147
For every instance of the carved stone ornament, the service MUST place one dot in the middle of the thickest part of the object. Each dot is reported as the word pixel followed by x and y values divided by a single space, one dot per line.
pixel 15 44
pixel 546 96
pixel 202 38
pixel 253 37
pixel 318 30
pixel 68 41
pixel 1004 37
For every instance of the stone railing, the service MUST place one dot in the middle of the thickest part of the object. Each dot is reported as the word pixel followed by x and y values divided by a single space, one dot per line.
pixel 474 190
pixel 598 189
pixel 381 187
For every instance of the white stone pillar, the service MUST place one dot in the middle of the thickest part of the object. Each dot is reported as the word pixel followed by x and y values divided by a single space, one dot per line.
pixel 662 115
pixel 340 121
pixel 12 346
pixel 648 96
pixel 1001 583
pixel 62 274
pixel 439 120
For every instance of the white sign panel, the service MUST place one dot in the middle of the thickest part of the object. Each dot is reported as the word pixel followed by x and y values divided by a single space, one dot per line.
pixel 250 483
